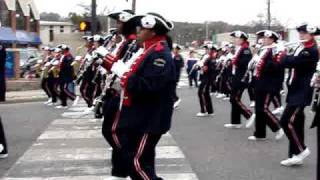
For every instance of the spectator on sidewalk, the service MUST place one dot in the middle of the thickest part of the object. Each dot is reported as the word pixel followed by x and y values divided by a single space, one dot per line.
pixel 2 73
pixel 3 143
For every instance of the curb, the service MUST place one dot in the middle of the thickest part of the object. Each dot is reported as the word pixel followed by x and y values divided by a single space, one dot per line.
pixel 24 100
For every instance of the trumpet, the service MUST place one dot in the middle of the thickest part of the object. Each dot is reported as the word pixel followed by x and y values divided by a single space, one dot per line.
pixel 286 45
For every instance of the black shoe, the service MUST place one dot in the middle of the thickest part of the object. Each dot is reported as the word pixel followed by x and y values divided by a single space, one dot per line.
pixel 118 173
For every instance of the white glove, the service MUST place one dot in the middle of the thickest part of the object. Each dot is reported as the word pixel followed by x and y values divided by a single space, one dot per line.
pixel 315 80
pixel 102 51
pixel 318 67
pixel 88 57
pixel 280 47
pixel 1 148
pixel 99 61
pixel 119 68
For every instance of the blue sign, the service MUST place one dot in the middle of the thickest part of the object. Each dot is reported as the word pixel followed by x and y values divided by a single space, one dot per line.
pixel 10 65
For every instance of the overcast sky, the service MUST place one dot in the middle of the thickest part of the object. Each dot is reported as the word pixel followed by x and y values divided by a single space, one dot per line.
pixel 289 12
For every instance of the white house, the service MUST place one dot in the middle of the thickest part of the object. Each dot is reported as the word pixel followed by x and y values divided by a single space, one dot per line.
pixel 49 29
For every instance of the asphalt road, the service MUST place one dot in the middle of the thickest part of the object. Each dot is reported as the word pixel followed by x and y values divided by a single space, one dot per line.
pixel 216 153
pixel 23 123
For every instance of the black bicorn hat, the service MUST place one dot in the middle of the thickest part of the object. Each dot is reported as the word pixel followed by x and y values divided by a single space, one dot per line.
pixel 177 46
pixel 64 47
pixel 310 29
pixel 98 38
pixel 88 38
pixel 123 16
pixel 239 34
pixel 211 46
pixel 153 21
pixel 269 34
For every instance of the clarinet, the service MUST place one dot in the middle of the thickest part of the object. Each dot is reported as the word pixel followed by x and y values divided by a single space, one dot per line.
pixel 132 46
pixel 99 101
pixel 223 69
pixel 247 75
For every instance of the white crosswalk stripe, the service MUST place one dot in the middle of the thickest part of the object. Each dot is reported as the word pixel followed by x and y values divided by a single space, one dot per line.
pixel 72 148
pixel 184 81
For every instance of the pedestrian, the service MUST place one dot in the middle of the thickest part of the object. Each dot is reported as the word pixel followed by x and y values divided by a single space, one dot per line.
pixel 303 65
pixel 179 64
pixel 239 67
pixel 148 87
pixel 3 143
pixel 3 55
pixel 192 69
pixel 267 77
pixel 207 69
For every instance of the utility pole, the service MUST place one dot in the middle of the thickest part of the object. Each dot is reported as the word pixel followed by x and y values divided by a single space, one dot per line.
pixel 93 17
pixel 269 14
pixel 207 30
pixel 134 5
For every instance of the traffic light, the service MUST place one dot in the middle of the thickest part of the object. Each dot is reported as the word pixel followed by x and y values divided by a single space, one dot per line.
pixel 85 26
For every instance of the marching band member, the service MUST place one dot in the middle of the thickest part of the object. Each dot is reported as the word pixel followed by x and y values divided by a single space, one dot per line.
pixel 223 76
pixel 303 65
pixel 179 64
pixel 207 68
pixel 239 67
pixel 53 76
pixel 44 74
pixel 124 36
pixel 66 77
pixel 315 82
pixel 191 69
pixel 86 74
pixel 115 135
pixel 76 65
pixel 3 142
pixel 266 80
pixel 251 70
pixel 147 89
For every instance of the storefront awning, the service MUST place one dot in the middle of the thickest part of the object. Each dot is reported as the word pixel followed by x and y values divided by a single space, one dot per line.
pixel 23 37
pixel 35 38
pixel 7 35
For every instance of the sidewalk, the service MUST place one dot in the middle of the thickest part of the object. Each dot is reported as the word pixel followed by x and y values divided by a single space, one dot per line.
pixel 25 96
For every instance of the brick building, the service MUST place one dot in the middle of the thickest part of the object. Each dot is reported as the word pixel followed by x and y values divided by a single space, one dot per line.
pixel 19 31
pixel 19 23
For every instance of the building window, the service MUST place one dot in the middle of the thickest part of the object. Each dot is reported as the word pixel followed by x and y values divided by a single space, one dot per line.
pixel 51 35
pixel 61 29
pixel 5 17
pixel 20 17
